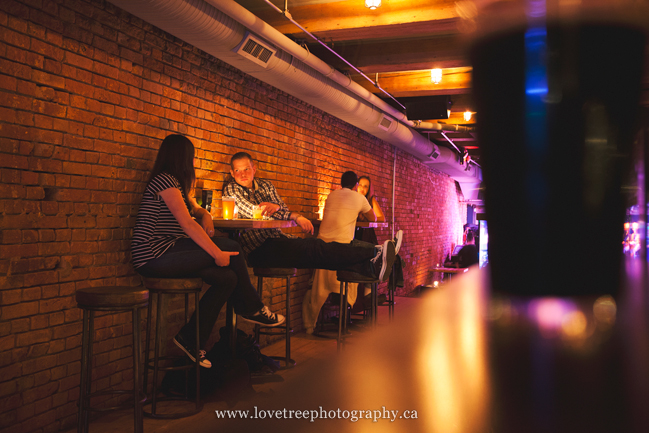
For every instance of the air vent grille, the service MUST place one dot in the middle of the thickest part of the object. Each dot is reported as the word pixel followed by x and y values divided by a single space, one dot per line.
pixel 385 123
pixel 255 50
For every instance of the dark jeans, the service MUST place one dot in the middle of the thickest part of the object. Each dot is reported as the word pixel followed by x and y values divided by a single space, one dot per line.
pixel 186 259
pixel 313 253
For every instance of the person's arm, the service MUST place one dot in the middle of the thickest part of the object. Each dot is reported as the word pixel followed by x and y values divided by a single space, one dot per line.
pixel 174 201
pixel 201 215
pixel 304 223
pixel 273 204
pixel 369 216
pixel 377 211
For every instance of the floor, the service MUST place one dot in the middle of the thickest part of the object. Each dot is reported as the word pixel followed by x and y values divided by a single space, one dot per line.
pixel 311 354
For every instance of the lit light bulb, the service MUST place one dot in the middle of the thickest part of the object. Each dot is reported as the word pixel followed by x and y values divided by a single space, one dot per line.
pixel 467 115
pixel 436 75
pixel 372 4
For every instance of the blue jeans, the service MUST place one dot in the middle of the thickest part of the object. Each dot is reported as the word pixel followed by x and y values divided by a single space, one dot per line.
pixel 186 259
pixel 314 253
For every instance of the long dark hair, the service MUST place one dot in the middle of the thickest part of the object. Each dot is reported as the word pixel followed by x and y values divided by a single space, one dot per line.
pixel 368 196
pixel 176 157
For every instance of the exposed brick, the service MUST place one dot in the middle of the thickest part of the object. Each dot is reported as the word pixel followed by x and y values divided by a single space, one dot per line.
pixel 19 310
pixel 33 337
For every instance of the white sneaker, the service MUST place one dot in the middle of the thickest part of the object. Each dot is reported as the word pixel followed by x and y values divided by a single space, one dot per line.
pixel 398 238
pixel 387 256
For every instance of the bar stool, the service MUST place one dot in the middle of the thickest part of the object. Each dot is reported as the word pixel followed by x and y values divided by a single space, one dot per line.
pixel 113 299
pixel 287 273
pixel 346 277
pixel 161 287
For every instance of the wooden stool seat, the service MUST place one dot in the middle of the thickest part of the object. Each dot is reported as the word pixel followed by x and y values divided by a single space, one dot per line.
pixel 275 272
pixel 115 299
pixel 284 329
pixel 162 287
pixel 353 277
pixel 174 285
pixel 112 297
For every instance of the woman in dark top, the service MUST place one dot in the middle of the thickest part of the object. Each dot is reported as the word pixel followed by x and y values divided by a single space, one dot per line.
pixel 367 234
pixel 168 243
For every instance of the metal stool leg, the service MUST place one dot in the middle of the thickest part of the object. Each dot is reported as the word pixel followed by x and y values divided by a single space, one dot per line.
pixel 231 324
pixel 260 289
pixel 198 348
pixel 137 398
pixel 375 303
pixel 288 322
pixel 156 352
pixel 86 359
pixel 147 347
pixel 342 315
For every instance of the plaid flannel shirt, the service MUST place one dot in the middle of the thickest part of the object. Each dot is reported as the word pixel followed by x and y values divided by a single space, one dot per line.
pixel 245 199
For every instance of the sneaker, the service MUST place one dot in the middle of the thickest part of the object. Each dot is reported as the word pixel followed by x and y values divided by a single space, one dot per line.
pixel 265 317
pixel 189 351
pixel 398 238
pixel 386 254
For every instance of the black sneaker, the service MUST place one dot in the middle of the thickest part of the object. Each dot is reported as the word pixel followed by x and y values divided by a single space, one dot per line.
pixel 265 317
pixel 189 351
pixel 384 260
pixel 398 238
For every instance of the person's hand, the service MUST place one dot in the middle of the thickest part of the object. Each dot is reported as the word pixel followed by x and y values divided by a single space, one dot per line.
pixel 223 257
pixel 268 208
pixel 306 225
pixel 207 224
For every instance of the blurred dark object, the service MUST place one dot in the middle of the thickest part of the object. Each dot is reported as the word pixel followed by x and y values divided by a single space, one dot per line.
pixel 556 126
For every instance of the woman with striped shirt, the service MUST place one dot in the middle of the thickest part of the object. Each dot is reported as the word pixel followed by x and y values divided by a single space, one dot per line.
pixel 168 243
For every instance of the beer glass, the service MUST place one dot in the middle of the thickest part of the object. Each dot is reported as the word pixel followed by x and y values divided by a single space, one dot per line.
pixel 227 204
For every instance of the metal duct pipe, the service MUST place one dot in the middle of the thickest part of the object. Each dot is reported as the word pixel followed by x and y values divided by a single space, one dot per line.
pixel 218 27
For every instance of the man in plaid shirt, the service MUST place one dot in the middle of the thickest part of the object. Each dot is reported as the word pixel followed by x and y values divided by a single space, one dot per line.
pixel 271 248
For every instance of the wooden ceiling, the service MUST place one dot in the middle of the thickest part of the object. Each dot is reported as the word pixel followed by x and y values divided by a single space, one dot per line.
pixel 397 45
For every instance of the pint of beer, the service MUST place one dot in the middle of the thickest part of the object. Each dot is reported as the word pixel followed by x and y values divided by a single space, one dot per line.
pixel 556 85
pixel 227 204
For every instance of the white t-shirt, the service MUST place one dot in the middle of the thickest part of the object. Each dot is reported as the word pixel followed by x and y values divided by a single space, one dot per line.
pixel 340 214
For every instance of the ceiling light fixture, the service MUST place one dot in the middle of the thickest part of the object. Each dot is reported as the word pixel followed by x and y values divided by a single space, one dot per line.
pixel 436 75
pixel 467 115
pixel 372 4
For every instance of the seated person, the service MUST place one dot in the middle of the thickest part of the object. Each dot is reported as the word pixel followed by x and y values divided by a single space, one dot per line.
pixel 271 248
pixel 338 223
pixel 468 255
pixel 168 243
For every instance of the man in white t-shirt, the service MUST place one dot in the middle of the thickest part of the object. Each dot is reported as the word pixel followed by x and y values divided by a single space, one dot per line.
pixel 338 223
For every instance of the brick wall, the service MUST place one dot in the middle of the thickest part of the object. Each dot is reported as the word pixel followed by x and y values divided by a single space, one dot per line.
pixel 87 92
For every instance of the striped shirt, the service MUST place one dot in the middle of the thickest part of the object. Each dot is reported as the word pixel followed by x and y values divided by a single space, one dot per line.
pixel 245 198
pixel 156 229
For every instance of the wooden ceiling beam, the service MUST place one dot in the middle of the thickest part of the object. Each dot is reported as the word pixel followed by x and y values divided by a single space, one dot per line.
pixel 321 18
pixel 418 83
pixel 412 54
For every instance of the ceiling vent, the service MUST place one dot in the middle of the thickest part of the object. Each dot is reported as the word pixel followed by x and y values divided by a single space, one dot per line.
pixel 385 123
pixel 434 154
pixel 254 49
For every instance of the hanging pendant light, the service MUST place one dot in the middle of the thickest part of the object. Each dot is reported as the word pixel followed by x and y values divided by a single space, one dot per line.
pixel 372 4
